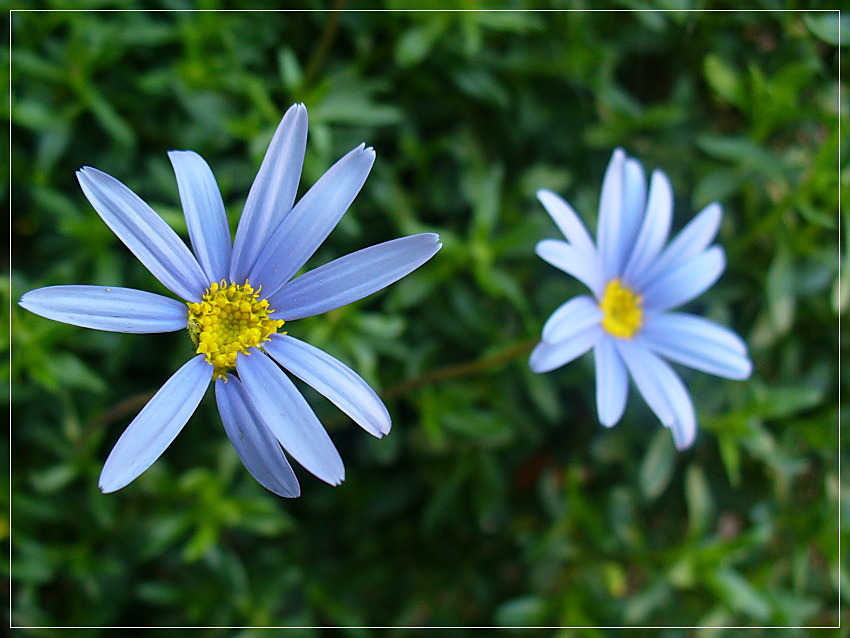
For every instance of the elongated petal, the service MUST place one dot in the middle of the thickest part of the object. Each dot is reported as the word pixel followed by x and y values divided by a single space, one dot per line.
pixel 548 356
pixel 583 266
pixel 686 282
pixel 288 416
pixel 689 326
pixel 610 216
pixel 698 343
pixel 662 389
pixel 204 212
pixel 103 308
pixel 156 426
pixel 612 382
pixel 272 192
pixel 316 214
pixel 567 220
pixel 576 315
pixel 354 276
pixel 688 243
pixel 656 226
pixel 333 379
pixel 145 233
pixel 260 452
pixel 634 207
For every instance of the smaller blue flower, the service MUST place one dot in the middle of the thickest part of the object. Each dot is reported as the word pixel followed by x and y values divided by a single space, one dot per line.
pixel 237 297
pixel 636 281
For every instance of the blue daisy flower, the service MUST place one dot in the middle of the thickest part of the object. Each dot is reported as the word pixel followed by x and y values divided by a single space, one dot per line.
pixel 636 281
pixel 237 298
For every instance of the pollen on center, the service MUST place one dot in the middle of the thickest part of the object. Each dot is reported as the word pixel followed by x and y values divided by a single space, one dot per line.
pixel 622 315
pixel 229 319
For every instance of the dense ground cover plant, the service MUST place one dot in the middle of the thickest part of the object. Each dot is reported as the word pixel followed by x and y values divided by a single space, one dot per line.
pixel 497 498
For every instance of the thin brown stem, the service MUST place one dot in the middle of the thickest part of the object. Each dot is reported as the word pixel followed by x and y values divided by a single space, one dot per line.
pixel 124 409
pixel 328 35
pixel 135 403
pixel 462 369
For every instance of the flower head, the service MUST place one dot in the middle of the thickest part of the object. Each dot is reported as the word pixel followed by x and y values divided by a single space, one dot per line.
pixel 636 281
pixel 236 298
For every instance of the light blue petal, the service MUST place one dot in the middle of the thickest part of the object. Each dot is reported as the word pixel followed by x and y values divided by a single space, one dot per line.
pixel 693 327
pixel 688 243
pixel 204 212
pixel 634 207
pixel 316 214
pixel 612 382
pixel 104 308
pixel 333 379
pixel 583 266
pixel 576 315
pixel 656 226
pixel 156 426
pixel 567 220
pixel 662 389
pixel 698 343
pixel 260 452
pixel 353 277
pixel 548 356
pixel 686 282
pixel 144 232
pixel 610 216
pixel 288 417
pixel 272 192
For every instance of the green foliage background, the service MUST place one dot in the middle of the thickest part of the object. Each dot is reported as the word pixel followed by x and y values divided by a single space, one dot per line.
pixel 497 499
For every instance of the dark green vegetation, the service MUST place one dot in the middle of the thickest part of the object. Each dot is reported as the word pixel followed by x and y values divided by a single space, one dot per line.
pixel 497 498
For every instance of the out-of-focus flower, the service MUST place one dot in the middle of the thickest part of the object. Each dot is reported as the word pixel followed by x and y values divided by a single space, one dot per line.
pixel 238 295
pixel 636 281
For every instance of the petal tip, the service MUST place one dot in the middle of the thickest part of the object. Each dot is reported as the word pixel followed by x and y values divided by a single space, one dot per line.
pixel 108 486
pixel 719 257
pixel 434 238
pixel 684 444
pixel 746 370
pixel 384 428
pixel 89 172
pixel 534 361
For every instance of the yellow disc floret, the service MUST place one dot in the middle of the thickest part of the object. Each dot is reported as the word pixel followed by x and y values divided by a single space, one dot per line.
pixel 621 310
pixel 228 320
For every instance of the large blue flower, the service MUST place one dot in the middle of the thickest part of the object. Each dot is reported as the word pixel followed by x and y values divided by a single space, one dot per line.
pixel 238 296
pixel 636 281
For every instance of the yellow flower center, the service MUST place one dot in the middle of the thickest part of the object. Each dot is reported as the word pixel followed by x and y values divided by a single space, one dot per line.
pixel 228 320
pixel 621 310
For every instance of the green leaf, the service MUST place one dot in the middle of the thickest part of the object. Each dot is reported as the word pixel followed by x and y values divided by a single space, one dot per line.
pixel 739 593
pixel 779 402
pixel 698 497
pixel 416 43
pixel 290 70
pixel 731 455
pixel 724 80
pixel 656 470
pixel 781 289
pixel 524 611
pixel 829 27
